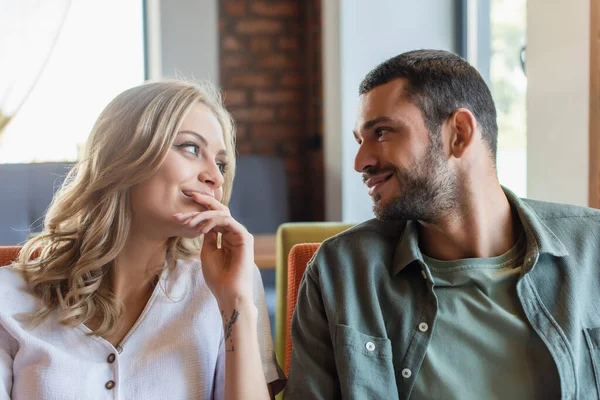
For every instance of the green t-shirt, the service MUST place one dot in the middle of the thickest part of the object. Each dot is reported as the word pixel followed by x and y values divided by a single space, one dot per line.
pixel 482 346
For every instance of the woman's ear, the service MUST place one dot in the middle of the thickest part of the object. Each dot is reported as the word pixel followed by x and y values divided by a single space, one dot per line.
pixel 462 127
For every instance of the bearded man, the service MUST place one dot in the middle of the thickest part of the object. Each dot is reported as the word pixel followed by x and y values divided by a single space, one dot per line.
pixel 458 289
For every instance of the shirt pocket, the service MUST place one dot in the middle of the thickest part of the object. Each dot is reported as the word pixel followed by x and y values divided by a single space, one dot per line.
pixel 364 364
pixel 592 338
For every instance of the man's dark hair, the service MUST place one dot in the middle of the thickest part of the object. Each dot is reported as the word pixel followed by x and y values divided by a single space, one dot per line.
pixel 439 82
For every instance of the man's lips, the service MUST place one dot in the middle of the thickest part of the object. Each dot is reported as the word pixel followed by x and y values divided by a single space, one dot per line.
pixel 375 180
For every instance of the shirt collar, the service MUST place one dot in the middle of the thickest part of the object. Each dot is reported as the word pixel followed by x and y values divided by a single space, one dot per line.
pixel 539 238
pixel 407 248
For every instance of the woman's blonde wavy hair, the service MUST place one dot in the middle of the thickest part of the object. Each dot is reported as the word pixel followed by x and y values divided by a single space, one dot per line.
pixel 88 222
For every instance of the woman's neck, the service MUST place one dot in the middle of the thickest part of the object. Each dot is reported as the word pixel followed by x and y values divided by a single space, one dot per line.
pixel 138 264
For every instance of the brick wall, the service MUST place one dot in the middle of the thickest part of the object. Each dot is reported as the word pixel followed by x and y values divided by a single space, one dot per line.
pixel 270 70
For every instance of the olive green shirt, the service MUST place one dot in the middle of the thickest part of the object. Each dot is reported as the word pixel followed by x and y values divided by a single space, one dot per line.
pixel 480 319
pixel 366 292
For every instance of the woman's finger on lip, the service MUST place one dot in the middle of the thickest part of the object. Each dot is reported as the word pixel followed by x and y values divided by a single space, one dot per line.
pixel 206 200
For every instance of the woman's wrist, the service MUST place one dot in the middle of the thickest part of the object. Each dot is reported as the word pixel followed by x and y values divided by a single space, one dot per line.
pixel 238 305
pixel 239 317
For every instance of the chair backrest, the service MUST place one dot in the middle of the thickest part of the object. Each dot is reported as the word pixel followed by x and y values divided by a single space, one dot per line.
pixel 299 256
pixel 28 189
pixel 8 254
pixel 288 235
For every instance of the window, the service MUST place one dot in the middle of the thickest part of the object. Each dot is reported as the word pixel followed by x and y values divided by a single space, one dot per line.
pixel 509 87
pixel 99 53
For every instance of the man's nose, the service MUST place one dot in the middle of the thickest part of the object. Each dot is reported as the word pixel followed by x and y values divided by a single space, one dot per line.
pixel 365 158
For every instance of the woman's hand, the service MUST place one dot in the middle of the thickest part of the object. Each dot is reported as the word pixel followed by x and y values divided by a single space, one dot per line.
pixel 229 273
pixel 228 269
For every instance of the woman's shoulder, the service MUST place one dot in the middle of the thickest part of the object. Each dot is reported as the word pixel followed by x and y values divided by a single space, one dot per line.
pixel 12 280
pixel 15 295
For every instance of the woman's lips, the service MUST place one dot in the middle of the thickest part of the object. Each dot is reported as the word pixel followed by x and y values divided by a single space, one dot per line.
pixel 188 194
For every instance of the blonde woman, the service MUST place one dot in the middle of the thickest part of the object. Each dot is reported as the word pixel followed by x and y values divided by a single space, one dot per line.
pixel 145 286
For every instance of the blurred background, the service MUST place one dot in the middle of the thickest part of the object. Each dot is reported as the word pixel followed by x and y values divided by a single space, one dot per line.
pixel 290 71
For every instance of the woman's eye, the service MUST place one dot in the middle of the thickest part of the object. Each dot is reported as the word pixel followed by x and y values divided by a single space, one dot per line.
pixel 222 167
pixel 190 148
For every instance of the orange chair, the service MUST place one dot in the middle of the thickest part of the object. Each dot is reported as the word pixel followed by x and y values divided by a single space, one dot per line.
pixel 299 256
pixel 8 254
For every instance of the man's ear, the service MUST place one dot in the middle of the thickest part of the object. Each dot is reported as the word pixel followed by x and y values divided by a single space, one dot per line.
pixel 462 128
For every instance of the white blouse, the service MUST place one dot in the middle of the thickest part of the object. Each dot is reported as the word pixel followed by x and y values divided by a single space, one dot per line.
pixel 175 350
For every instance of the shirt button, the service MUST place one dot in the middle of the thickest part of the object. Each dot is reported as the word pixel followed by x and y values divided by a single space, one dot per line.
pixel 424 274
pixel 370 346
pixel 406 373
pixel 111 358
pixel 119 349
pixel 109 385
pixel 423 327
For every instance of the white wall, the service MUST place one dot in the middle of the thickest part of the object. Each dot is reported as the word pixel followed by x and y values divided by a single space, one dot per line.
pixel 332 110
pixel 558 73
pixel 358 35
pixel 183 39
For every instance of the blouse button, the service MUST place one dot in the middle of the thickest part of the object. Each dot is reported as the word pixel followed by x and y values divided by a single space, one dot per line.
pixel 109 385
pixel 111 358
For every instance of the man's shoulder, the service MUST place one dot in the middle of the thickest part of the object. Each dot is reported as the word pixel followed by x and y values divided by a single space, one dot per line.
pixel 371 230
pixel 575 227
pixel 370 239
pixel 546 210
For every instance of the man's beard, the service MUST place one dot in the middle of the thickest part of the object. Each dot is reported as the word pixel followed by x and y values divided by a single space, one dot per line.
pixel 428 190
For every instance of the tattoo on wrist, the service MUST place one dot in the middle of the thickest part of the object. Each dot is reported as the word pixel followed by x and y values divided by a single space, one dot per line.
pixel 228 327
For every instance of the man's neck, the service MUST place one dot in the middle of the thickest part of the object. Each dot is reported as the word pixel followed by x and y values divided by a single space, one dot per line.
pixel 483 225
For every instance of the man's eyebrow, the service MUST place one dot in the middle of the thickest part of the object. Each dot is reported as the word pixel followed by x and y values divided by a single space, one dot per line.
pixel 202 140
pixel 371 123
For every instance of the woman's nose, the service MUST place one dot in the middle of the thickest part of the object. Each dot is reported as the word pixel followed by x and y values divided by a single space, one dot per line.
pixel 212 176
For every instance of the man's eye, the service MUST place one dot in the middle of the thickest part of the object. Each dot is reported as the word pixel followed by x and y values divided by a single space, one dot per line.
pixel 379 132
